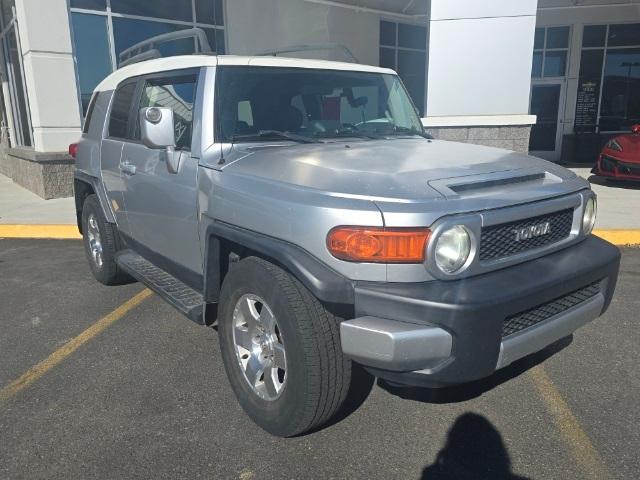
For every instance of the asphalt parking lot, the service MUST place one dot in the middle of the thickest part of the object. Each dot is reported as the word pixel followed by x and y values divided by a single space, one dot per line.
pixel 142 394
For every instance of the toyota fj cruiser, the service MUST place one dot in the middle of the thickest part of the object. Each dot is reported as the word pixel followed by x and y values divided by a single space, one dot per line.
pixel 301 206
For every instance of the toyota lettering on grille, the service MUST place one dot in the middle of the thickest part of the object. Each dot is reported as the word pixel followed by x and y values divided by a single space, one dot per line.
pixel 532 231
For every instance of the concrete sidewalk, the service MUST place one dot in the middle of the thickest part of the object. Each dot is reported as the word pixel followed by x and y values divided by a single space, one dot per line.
pixel 19 206
pixel 618 205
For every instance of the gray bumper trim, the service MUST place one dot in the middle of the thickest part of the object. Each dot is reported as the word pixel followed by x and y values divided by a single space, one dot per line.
pixel 536 338
pixel 394 345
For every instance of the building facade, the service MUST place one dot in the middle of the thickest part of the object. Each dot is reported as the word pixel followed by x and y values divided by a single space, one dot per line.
pixel 479 72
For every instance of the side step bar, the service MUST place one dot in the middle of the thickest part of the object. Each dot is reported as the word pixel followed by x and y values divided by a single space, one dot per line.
pixel 184 298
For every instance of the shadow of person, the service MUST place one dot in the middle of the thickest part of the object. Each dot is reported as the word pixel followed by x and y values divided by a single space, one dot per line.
pixel 474 451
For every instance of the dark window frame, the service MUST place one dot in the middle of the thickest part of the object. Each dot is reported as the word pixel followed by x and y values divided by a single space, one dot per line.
pixel 87 118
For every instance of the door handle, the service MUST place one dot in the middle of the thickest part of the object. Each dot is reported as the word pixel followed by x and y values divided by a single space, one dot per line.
pixel 127 168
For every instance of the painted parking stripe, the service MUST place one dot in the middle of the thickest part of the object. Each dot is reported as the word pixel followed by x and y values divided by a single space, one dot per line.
pixel 582 450
pixel 33 374
pixel 40 231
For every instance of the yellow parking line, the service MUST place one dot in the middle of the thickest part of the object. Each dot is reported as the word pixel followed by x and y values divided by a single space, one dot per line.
pixel 71 346
pixel 620 237
pixel 583 451
pixel 40 231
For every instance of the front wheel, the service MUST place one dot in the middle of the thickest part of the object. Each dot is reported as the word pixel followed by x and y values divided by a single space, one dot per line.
pixel 281 349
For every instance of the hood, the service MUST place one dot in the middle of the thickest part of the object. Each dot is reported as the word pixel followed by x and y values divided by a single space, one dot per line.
pixel 405 170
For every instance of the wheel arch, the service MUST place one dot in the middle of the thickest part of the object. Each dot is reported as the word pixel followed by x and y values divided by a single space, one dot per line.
pixel 226 243
pixel 83 186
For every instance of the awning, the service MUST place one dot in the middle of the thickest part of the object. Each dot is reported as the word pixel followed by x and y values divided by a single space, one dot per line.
pixel 393 7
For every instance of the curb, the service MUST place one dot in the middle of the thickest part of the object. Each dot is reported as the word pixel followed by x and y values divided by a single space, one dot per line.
pixel 67 232
pixel 70 232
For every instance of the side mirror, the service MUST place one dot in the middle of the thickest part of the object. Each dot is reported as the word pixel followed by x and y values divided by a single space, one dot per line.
pixel 635 128
pixel 157 132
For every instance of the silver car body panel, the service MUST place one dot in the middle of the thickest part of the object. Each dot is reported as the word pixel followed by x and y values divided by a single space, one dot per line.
pixel 298 193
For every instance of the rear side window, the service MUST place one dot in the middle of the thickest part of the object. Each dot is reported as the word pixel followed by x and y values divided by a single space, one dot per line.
pixel 87 118
pixel 119 119
pixel 178 94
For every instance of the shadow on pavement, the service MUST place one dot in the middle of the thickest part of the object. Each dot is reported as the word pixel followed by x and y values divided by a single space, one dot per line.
pixel 474 450
pixel 608 182
pixel 468 391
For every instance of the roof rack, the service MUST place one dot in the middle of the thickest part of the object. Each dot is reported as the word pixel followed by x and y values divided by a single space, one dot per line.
pixel 147 50
pixel 311 47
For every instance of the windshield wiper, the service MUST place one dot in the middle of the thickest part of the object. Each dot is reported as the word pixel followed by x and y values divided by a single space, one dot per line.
pixel 398 130
pixel 276 133
pixel 356 132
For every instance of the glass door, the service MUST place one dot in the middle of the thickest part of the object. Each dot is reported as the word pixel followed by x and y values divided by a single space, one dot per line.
pixel 547 103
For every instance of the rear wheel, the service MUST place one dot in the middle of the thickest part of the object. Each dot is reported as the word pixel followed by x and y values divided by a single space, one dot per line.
pixel 101 244
pixel 281 349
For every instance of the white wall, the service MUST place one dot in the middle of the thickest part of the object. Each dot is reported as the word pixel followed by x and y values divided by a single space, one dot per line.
pixel 480 56
pixel 45 40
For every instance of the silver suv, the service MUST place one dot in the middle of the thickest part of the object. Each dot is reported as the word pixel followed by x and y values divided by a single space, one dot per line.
pixel 300 205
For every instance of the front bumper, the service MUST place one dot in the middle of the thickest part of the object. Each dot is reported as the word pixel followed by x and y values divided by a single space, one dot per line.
pixel 616 169
pixel 443 333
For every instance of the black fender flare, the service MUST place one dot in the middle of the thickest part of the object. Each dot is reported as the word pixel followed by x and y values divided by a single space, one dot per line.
pixel 323 282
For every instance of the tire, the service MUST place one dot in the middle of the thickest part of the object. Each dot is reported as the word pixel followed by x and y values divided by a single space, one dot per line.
pixel 101 243
pixel 317 375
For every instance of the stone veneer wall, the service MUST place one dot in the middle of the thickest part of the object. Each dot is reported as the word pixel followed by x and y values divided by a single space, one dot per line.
pixel 511 137
pixel 49 175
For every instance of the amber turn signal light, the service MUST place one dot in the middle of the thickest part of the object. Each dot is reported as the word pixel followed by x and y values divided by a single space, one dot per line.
pixel 378 244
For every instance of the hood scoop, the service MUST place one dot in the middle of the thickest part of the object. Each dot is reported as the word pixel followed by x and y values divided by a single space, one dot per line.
pixel 496 182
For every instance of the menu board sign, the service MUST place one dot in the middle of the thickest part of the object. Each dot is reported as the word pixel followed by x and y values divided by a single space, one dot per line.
pixel 587 106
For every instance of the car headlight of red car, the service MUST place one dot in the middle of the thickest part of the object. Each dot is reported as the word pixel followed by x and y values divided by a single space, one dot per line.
pixel 613 144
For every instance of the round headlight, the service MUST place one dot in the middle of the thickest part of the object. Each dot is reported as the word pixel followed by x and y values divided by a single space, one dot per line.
pixel 589 216
pixel 452 249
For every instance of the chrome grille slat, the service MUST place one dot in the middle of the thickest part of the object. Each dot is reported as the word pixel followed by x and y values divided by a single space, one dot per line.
pixel 499 241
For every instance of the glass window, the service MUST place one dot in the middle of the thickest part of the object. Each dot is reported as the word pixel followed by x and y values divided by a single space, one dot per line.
pixel 594 35
pixel 87 119
pixel 536 68
pixel 316 103
pixel 216 39
pixel 170 9
pixel 93 60
pixel 209 11
pixel 128 32
pixel 6 10
pixel 624 35
pixel 555 63
pixel 538 39
pixel 407 56
pixel 550 56
pixel 22 108
pixel 120 108
pixel 89 4
pixel 411 68
pixel 620 104
pixel 178 94
pixel 387 57
pixel 412 36
pixel 544 104
pixel 387 33
pixel 557 37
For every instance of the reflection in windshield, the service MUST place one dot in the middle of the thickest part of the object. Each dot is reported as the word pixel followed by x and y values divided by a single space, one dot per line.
pixel 311 103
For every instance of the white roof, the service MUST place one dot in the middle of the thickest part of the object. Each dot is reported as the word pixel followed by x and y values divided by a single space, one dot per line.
pixel 195 61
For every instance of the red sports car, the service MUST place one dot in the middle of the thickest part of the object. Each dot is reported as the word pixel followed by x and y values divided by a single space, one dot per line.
pixel 620 157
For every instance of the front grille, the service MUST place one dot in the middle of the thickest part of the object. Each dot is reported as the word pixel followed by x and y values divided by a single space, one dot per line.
pixel 535 315
pixel 498 241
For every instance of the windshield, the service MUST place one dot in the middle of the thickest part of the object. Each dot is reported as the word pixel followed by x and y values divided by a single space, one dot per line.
pixel 257 102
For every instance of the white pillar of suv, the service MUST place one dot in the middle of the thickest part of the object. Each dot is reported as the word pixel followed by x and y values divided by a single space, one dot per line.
pixel 45 41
